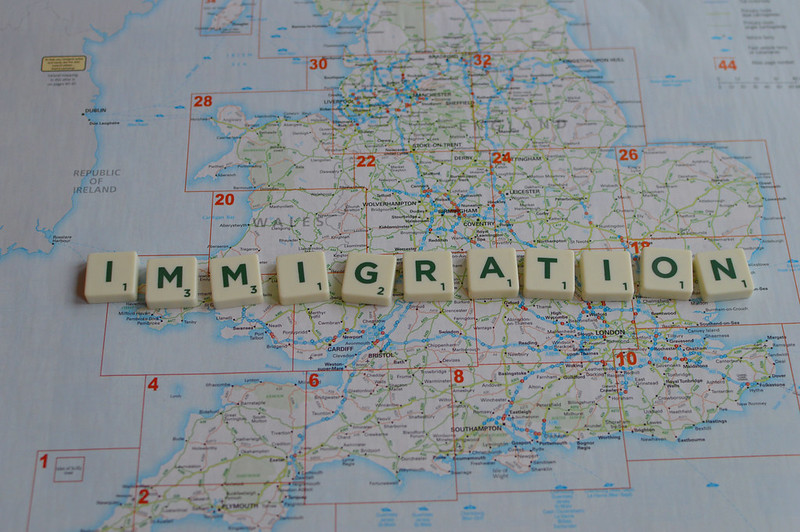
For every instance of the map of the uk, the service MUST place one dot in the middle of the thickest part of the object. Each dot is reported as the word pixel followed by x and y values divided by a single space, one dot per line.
pixel 389 127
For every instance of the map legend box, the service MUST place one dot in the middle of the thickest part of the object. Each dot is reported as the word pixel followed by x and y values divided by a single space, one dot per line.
pixel 69 469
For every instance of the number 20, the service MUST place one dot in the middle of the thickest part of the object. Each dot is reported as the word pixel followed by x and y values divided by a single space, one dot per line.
pixel 223 199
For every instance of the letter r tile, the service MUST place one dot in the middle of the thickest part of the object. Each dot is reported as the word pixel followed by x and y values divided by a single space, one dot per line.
pixel 428 276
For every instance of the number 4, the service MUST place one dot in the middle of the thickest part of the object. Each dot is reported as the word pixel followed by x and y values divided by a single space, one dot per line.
pixel 153 384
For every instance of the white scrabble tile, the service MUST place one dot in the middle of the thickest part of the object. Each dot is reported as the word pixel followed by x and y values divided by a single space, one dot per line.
pixel 428 276
pixel 606 275
pixel 112 277
pixel 723 275
pixel 171 282
pixel 303 278
pixel 235 281
pixel 368 278
pixel 549 273
pixel 492 273
pixel 665 273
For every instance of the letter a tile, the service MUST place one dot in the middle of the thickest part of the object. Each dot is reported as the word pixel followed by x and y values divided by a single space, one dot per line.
pixel 492 273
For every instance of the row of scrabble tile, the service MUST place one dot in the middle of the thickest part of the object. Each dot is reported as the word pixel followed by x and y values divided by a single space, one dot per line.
pixel 428 276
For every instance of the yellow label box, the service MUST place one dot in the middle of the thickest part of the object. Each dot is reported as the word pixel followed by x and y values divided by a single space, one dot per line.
pixel 63 63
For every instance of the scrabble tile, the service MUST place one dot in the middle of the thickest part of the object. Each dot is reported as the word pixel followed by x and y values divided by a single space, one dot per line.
pixel 368 278
pixel 428 276
pixel 492 273
pixel 235 281
pixel 303 278
pixel 665 273
pixel 171 282
pixel 606 275
pixel 549 273
pixel 723 275
pixel 112 277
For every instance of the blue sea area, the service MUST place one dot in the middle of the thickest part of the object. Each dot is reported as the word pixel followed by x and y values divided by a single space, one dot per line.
pixel 358 479
pixel 571 467
pixel 576 20
pixel 198 523
pixel 298 29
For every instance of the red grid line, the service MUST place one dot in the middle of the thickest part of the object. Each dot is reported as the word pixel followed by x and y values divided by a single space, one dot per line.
pixel 139 450
pixel 795 391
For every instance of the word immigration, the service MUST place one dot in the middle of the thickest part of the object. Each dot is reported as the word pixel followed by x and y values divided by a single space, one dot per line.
pixel 427 276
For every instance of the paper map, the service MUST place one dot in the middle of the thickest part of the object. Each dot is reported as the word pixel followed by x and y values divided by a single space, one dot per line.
pixel 212 128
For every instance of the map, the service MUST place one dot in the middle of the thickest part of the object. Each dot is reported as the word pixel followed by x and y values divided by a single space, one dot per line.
pixel 217 128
